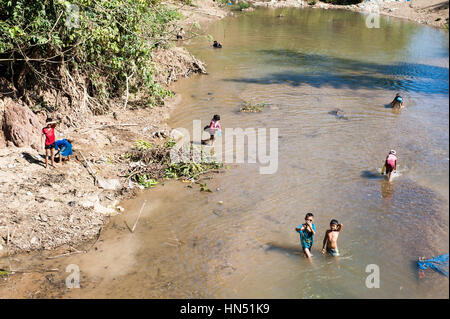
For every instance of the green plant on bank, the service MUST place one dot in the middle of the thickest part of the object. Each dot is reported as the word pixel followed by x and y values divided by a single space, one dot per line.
pixel 204 188
pixel 107 43
pixel 143 145
pixel 170 143
pixel 311 3
pixel 190 170
pixel 145 181
pixel 243 5
pixel 126 155
pixel 249 107
pixel 4 272
pixel 152 163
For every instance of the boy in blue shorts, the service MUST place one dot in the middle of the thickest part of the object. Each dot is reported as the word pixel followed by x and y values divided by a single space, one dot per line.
pixel 307 232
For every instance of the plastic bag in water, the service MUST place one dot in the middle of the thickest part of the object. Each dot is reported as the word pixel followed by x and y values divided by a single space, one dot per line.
pixel 439 263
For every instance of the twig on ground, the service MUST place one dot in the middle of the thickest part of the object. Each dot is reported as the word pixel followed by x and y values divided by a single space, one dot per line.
pixel 68 254
pixel 89 168
pixel 135 223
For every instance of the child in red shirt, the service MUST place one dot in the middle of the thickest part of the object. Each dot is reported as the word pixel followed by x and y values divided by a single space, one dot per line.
pixel 49 133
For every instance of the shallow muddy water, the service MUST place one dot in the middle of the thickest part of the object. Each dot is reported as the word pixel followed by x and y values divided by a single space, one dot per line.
pixel 304 65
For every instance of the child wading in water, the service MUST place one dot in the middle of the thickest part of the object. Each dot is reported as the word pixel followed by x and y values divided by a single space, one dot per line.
pixel 212 128
pixel 397 103
pixel 49 133
pixel 390 165
pixel 331 237
pixel 307 232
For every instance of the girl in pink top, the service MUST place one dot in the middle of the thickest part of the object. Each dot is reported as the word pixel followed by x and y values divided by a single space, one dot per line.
pixel 391 163
pixel 212 128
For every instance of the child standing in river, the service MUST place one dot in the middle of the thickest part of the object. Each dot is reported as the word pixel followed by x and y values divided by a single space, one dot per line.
pixel 331 237
pixel 307 232
pixel 390 165
pixel 213 128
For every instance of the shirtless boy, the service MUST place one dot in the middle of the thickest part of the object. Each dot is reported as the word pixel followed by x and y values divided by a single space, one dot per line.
pixel 331 237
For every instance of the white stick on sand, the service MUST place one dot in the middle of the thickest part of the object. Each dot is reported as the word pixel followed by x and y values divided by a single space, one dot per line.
pixel 135 223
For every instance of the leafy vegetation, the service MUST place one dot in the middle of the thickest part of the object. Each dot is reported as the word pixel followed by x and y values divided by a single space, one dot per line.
pixel 145 181
pixel 249 107
pixel 98 47
pixel 143 145
pixel 150 163
pixel 243 5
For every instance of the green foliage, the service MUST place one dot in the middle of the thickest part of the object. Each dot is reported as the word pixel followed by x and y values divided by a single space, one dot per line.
pixel 107 40
pixel 243 5
pixel 204 188
pixel 142 145
pixel 170 143
pixel 190 170
pixel 4 272
pixel 249 107
pixel 311 3
pixel 145 181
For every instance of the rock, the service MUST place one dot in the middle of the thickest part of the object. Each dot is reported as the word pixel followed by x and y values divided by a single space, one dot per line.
pixel 11 165
pixel 34 241
pixel 109 184
pixel 71 203
pixel 220 202
pixel 29 194
pixel 43 217
pixel 87 204
pixel 20 125
pixel 108 211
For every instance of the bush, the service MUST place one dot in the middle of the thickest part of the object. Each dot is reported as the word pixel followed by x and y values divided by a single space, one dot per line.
pixel 107 42
pixel 243 5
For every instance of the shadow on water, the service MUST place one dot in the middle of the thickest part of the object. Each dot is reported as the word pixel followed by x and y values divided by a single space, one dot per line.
pixel 286 249
pixel 339 73
pixel 372 174
pixel 339 114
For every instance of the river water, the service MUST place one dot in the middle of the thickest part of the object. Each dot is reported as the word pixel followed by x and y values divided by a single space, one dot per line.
pixel 304 65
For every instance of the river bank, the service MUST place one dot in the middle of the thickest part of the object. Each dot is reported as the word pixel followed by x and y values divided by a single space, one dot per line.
pixel 162 260
pixel 430 12
pixel 62 207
